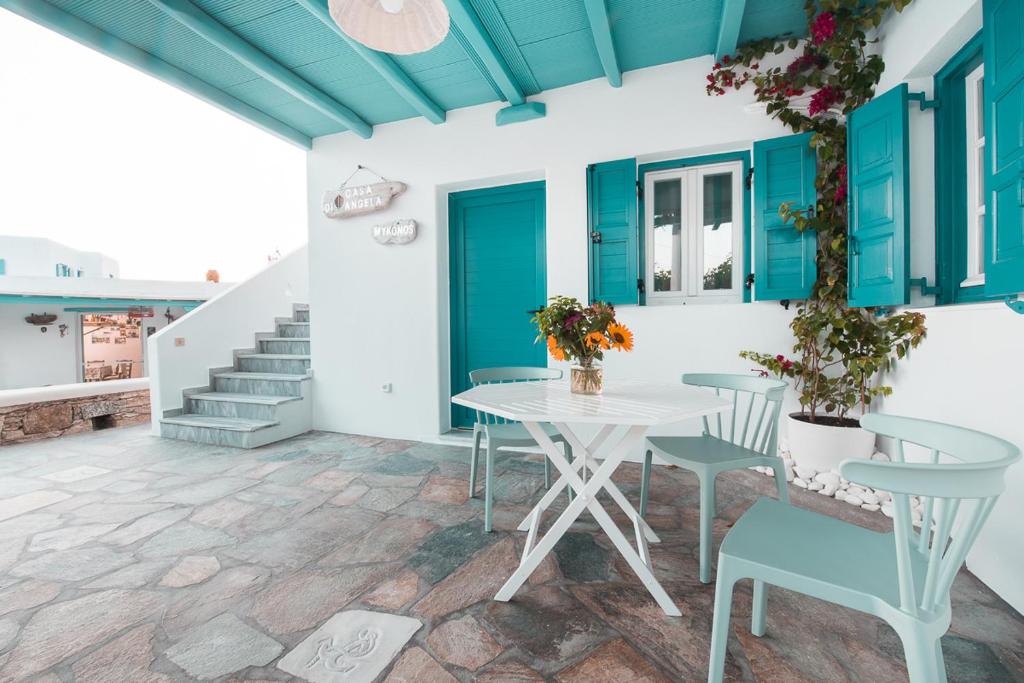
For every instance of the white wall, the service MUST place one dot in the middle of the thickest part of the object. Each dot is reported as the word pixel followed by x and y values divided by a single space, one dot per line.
pixel 381 313
pixel 37 257
pixel 31 358
pixel 213 331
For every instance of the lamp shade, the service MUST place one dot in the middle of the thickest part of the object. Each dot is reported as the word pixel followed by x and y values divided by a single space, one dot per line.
pixel 401 27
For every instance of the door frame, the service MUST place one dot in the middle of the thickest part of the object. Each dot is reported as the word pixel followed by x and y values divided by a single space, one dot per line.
pixel 456 363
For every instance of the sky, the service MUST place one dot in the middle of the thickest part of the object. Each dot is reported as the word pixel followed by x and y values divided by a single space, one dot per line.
pixel 101 157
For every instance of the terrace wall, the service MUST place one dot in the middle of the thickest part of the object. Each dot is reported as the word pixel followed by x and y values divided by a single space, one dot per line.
pixel 382 312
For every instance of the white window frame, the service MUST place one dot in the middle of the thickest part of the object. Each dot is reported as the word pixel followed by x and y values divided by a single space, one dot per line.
pixel 692 243
pixel 975 226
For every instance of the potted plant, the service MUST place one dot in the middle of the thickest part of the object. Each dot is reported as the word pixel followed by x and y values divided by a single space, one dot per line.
pixel 841 353
pixel 575 332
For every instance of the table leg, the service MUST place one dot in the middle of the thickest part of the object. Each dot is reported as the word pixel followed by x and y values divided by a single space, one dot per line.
pixel 578 461
pixel 586 498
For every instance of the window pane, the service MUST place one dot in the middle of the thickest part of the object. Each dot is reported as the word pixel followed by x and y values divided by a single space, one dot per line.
pixel 668 252
pixel 718 209
pixel 979 173
pixel 979 107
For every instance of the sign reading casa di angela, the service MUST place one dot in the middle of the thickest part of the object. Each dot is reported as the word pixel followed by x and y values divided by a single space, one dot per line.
pixel 357 200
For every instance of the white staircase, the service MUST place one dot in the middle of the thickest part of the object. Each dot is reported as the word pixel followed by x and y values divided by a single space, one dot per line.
pixel 264 398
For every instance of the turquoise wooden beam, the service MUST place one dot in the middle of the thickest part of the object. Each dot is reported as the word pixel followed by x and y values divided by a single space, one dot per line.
pixel 517 113
pixel 601 28
pixel 729 27
pixel 202 24
pixel 70 26
pixel 465 17
pixel 382 63
pixel 45 299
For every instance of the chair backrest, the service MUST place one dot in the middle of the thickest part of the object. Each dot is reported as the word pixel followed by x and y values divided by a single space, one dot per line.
pixel 756 404
pixel 976 474
pixel 506 375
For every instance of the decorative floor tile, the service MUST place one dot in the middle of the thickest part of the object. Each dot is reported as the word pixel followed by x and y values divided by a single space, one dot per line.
pixel 352 647
pixel 27 502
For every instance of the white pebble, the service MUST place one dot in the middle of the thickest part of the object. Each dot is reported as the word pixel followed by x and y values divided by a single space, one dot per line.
pixel 800 482
pixel 883 496
pixel 870 499
pixel 829 490
pixel 879 455
pixel 840 494
pixel 853 500
pixel 858 491
pixel 815 486
pixel 827 478
pixel 872 508
pixel 805 473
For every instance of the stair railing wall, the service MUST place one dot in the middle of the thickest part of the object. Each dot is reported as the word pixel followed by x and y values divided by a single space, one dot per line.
pixel 214 330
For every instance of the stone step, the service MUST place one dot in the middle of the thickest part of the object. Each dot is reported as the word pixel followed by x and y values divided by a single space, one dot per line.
pixel 286 345
pixel 229 404
pixel 293 330
pixel 301 315
pixel 274 363
pixel 231 424
pixel 259 383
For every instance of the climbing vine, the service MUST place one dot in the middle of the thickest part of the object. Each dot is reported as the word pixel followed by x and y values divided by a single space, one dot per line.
pixel 840 351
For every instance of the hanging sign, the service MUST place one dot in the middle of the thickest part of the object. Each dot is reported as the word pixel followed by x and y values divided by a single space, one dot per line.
pixel 357 200
pixel 396 232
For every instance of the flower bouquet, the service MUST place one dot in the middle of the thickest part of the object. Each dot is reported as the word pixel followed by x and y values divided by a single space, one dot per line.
pixel 579 333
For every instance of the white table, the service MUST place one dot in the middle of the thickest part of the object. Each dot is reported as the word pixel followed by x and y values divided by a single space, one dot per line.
pixel 634 405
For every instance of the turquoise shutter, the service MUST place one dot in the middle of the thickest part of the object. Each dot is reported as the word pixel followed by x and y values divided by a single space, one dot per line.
pixel 879 201
pixel 1004 146
pixel 611 208
pixel 784 259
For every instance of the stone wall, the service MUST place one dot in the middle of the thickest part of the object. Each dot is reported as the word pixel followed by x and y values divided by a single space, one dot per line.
pixel 49 419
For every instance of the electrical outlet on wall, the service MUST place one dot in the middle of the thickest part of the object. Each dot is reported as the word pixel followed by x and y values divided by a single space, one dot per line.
pixel 179 341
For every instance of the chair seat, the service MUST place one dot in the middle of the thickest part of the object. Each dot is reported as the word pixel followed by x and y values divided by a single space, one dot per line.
pixel 815 552
pixel 515 434
pixel 699 450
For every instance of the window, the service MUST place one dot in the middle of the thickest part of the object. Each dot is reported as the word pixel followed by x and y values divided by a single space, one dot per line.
pixel 960 138
pixel 974 227
pixel 694 220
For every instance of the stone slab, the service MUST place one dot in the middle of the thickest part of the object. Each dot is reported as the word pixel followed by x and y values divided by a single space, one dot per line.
pixel 351 647
pixel 75 474
pixel 222 646
pixel 27 502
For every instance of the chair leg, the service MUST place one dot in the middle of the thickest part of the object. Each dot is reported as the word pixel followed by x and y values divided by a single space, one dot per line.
pixel 720 626
pixel 780 480
pixel 474 461
pixel 924 658
pixel 645 483
pixel 759 610
pixel 707 515
pixel 568 457
pixel 489 487
pixel 547 473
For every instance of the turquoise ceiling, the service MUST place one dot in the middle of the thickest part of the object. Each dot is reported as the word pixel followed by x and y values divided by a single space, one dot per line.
pixel 537 44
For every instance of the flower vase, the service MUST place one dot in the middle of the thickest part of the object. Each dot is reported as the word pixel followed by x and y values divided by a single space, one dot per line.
pixel 586 379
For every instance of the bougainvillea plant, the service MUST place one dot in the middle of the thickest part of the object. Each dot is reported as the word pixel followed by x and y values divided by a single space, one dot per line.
pixel 581 333
pixel 840 352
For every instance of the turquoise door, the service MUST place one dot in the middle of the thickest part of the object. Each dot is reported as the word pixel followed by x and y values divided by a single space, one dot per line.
pixel 496 238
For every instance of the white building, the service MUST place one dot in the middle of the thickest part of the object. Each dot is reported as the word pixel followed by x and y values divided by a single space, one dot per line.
pixel 41 257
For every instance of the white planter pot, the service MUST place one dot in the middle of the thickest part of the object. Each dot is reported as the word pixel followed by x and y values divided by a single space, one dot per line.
pixel 822 447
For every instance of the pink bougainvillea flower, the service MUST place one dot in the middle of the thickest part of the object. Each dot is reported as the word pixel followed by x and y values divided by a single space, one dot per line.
pixel 824 27
pixel 840 195
pixel 823 99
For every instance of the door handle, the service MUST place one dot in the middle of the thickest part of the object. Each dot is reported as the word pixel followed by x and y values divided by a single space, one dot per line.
pixel 595 237
pixel 854 251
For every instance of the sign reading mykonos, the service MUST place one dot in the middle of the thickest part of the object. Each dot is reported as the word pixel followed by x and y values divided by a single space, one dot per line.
pixel 357 200
pixel 396 232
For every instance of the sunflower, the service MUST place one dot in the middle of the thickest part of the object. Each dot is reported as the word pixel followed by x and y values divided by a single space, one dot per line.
pixel 556 353
pixel 596 339
pixel 622 338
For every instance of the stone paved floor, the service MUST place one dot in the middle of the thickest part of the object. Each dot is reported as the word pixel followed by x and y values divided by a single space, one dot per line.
pixel 125 558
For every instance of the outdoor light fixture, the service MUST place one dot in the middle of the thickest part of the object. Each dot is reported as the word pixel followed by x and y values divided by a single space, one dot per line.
pixel 401 27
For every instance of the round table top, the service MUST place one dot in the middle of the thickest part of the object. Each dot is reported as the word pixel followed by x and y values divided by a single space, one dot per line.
pixel 624 402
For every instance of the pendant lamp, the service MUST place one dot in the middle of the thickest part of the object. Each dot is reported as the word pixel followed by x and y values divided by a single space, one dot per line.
pixel 401 27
